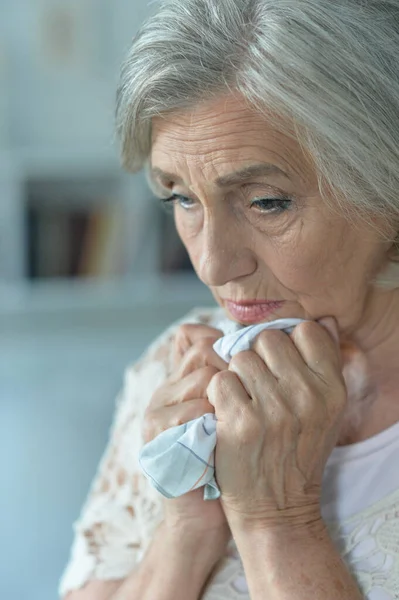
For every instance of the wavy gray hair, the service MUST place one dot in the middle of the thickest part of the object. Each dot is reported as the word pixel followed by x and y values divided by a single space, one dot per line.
pixel 330 67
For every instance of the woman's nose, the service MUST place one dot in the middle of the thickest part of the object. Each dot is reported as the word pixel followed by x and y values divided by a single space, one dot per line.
pixel 222 256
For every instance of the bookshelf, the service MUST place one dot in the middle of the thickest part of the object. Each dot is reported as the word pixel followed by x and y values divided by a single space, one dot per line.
pixel 75 229
pixel 72 224
pixel 56 211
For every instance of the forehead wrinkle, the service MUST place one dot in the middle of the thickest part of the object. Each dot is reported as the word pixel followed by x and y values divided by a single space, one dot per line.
pixel 203 141
pixel 213 166
pixel 228 141
pixel 213 135
pixel 210 112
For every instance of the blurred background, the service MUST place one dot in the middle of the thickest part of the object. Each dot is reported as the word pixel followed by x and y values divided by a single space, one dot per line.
pixel 91 270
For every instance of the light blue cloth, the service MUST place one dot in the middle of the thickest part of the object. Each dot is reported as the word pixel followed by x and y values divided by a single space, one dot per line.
pixel 182 459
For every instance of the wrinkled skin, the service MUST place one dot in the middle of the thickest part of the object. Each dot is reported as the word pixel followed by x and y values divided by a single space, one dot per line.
pixel 271 237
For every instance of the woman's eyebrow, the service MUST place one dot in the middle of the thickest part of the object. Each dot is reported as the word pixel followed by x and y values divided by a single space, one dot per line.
pixel 234 178
pixel 247 173
pixel 164 177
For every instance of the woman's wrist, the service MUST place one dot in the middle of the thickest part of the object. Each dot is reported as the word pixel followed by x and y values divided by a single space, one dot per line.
pixel 193 553
pixel 305 552
pixel 298 518
pixel 203 548
pixel 176 566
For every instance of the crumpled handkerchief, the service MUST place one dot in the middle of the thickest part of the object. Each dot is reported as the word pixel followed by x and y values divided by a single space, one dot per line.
pixel 242 339
pixel 181 459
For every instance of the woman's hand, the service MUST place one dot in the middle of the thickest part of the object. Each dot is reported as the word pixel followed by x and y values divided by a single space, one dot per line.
pixel 279 409
pixel 182 398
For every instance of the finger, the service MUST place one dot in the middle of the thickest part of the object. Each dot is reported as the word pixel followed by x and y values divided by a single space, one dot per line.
pixel 318 349
pixel 201 354
pixel 229 397
pixel 254 375
pixel 162 418
pixel 269 397
pixel 331 325
pixel 295 385
pixel 190 387
pixel 188 334
pixel 278 351
pixel 237 412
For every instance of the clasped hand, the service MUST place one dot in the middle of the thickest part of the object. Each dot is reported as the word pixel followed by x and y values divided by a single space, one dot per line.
pixel 279 408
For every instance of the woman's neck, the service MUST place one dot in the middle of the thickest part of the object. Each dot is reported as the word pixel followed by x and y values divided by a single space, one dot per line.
pixel 376 408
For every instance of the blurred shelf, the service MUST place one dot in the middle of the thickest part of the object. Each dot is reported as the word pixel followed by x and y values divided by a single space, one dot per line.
pixel 27 298
pixel 62 161
pixel 85 179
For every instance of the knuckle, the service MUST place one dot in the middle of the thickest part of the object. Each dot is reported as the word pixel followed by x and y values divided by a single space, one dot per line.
pixel 184 329
pixel 241 359
pixel 220 379
pixel 307 327
pixel 197 409
pixel 205 407
pixel 270 337
pixel 203 345
pixel 182 336
pixel 179 419
pixel 217 381
pixel 270 334
pixel 209 372
pixel 306 330
pixel 192 343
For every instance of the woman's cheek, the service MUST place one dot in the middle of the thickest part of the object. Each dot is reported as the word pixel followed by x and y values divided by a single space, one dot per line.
pixel 188 223
pixel 189 232
pixel 294 261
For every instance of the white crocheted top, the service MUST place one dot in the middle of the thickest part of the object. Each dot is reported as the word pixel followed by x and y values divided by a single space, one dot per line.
pixel 360 500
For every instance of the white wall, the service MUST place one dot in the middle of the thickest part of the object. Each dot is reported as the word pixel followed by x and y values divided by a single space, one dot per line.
pixel 59 67
pixel 61 85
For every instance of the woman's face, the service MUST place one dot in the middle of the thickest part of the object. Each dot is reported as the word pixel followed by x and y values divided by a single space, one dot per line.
pixel 249 212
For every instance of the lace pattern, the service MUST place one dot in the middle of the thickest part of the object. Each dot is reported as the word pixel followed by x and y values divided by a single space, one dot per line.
pixel 123 510
pixel 369 544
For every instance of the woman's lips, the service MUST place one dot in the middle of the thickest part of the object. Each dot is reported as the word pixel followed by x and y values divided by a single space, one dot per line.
pixel 252 312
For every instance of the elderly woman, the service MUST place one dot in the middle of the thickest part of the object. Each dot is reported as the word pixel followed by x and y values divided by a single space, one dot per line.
pixel 272 126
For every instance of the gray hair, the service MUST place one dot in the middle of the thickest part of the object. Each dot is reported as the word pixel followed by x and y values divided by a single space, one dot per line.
pixel 331 67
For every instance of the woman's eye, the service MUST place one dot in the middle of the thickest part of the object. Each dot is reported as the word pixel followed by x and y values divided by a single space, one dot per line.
pixel 182 201
pixel 274 205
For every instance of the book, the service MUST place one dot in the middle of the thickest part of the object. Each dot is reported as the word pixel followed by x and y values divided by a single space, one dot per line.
pixel 102 252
